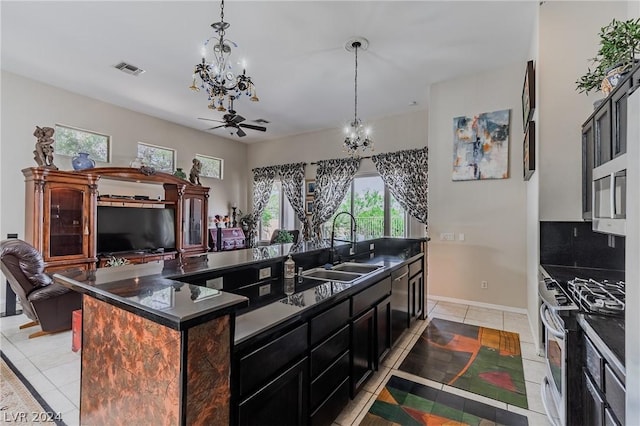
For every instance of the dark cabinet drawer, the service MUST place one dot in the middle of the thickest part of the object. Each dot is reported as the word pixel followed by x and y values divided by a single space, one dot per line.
pixel 415 267
pixel 323 355
pixel 368 297
pixel 594 362
pixel 329 380
pixel 264 362
pixel 327 412
pixel 609 418
pixel 283 401
pixel 593 403
pixel 615 393
pixel 327 322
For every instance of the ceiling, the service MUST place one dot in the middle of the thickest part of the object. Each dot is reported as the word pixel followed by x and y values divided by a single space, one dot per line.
pixel 294 52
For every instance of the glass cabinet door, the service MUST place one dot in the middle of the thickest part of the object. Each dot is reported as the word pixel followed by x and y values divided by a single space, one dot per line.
pixel 193 219
pixel 66 222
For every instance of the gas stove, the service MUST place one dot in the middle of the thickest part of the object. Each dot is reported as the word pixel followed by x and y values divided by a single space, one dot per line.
pixel 598 297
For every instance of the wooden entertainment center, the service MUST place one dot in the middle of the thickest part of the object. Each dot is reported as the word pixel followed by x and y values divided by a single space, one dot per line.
pixel 61 214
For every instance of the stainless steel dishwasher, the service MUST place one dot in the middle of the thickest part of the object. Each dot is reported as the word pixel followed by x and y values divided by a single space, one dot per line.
pixel 400 303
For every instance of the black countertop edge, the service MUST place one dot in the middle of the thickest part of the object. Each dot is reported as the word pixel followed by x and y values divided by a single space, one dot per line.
pixel 394 263
pixel 226 304
pixel 588 322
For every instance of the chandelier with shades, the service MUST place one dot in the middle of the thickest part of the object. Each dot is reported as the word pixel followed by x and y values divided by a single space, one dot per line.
pixel 218 76
pixel 357 134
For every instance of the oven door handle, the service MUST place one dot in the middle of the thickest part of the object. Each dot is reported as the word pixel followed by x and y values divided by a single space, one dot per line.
pixel 543 316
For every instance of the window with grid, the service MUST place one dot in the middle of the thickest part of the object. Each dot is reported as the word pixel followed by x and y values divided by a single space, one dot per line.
pixel 160 158
pixel 212 167
pixel 70 141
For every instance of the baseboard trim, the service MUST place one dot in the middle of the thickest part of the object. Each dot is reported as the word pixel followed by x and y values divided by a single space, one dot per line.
pixel 479 304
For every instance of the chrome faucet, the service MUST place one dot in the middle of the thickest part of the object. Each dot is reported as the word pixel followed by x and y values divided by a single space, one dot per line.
pixel 352 233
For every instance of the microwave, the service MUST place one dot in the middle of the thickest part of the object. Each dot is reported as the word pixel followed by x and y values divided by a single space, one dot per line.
pixel 609 201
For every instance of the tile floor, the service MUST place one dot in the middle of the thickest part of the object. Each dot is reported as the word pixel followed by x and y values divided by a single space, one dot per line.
pixel 54 370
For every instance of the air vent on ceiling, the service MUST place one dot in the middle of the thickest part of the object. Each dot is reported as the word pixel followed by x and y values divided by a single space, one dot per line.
pixel 261 121
pixel 129 69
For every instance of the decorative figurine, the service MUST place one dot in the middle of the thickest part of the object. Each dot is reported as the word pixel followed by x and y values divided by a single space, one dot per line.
pixel 43 154
pixel 194 174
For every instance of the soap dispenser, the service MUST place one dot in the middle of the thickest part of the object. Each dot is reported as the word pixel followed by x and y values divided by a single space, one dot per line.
pixel 289 268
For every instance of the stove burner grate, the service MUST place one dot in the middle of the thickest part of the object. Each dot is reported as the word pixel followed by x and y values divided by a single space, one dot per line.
pixel 602 297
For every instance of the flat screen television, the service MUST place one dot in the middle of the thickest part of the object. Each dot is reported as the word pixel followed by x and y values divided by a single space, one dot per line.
pixel 122 229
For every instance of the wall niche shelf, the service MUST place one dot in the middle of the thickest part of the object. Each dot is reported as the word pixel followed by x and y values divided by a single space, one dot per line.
pixel 50 192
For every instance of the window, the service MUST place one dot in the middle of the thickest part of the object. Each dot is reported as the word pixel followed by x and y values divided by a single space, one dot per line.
pixel 278 214
pixel 160 158
pixel 70 141
pixel 377 213
pixel 211 166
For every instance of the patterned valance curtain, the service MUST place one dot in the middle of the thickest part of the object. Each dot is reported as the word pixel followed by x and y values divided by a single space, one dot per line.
pixel 405 174
pixel 332 182
pixel 262 184
pixel 292 177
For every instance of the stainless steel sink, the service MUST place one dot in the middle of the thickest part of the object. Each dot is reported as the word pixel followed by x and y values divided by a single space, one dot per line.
pixel 343 273
pixel 331 275
pixel 360 268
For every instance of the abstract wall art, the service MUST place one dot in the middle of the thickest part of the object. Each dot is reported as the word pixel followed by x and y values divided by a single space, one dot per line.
pixel 481 146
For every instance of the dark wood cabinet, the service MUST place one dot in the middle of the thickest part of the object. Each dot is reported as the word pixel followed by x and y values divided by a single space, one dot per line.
pixel 416 297
pixel 588 164
pixel 282 402
pixel 61 212
pixel 383 326
pixel 603 394
pixel 58 219
pixel 593 403
pixel 363 351
pixel 602 134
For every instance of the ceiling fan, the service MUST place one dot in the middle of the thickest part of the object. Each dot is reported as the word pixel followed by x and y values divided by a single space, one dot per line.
pixel 234 121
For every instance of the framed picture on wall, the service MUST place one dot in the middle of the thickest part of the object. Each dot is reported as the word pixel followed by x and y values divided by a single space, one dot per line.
pixel 529 150
pixel 528 95
pixel 311 187
pixel 309 207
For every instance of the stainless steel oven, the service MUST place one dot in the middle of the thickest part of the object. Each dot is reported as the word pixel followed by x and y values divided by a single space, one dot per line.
pixel 554 309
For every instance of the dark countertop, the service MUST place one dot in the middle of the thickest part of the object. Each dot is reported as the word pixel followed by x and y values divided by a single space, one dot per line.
pixel 610 330
pixel 142 290
pixel 607 334
pixel 312 293
pixel 154 290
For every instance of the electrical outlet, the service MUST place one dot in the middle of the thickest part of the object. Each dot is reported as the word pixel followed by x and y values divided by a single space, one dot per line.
pixel 461 236
pixel 484 284
pixel 352 251
pixel 371 246
pixel 447 236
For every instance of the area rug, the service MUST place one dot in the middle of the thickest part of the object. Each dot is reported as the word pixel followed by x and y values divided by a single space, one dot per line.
pixel 20 402
pixel 403 402
pixel 481 360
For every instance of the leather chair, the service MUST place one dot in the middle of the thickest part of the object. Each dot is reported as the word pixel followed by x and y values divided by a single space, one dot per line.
pixel 44 301
pixel 294 232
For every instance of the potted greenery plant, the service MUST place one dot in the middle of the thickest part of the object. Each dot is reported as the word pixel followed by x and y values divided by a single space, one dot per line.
pixel 283 237
pixel 619 46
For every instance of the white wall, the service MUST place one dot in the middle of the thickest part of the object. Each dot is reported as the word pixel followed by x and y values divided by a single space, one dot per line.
pixel 533 203
pixel 27 103
pixel 389 134
pixel 491 213
pixel 568 38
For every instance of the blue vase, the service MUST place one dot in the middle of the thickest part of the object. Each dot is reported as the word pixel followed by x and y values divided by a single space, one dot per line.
pixel 82 161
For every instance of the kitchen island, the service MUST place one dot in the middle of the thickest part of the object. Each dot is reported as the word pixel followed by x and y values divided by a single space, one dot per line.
pixel 172 328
